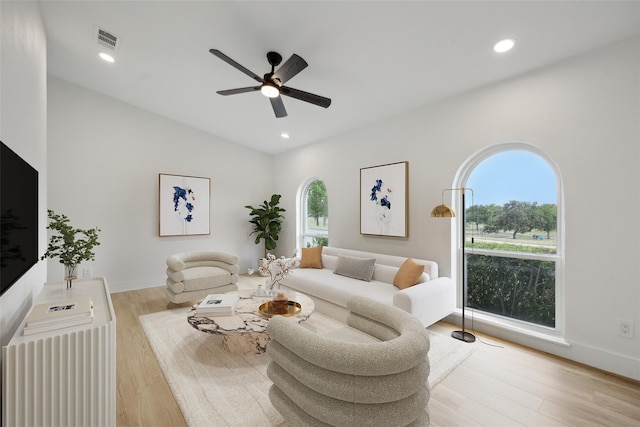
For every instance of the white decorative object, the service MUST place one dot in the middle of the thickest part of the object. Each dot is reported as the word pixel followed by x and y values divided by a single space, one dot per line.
pixel 276 269
pixel 64 377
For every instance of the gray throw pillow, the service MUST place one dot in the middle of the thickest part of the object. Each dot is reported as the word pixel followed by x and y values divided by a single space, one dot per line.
pixel 354 267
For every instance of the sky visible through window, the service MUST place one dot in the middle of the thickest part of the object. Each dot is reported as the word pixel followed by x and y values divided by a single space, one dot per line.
pixel 513 175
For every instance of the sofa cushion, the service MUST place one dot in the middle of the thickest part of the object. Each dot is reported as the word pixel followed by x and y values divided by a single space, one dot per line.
pixel 430 267
pixel 184 260
pixel 217 274
pixel 181 297
pixel 384 273
pixel 355 267
pixel 311 257
pixel 325 285
pixel 329 261
pixel 201 283
pixel 408 274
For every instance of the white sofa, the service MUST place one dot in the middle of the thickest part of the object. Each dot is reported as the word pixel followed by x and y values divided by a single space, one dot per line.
pixel 432 299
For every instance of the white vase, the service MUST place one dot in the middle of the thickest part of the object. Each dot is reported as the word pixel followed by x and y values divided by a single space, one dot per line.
pixel 271 285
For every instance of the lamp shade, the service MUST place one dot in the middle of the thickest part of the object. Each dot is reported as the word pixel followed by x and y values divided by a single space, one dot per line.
pixel 442 211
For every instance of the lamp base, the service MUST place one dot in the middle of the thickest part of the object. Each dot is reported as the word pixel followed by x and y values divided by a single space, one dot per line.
pixel 463 336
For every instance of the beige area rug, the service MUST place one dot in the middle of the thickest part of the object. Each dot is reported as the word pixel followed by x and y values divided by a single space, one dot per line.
pixel 215 388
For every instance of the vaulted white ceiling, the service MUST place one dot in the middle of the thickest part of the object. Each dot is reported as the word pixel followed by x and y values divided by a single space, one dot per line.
pixel 373 59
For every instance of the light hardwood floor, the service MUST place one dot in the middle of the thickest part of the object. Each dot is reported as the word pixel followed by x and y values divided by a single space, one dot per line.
pixel 496 386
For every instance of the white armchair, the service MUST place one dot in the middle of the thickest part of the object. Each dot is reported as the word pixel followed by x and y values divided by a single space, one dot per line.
pixel 194 275
pixel 378 379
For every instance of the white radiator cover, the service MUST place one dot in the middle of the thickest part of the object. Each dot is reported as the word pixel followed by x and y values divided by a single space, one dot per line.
pixel 66 377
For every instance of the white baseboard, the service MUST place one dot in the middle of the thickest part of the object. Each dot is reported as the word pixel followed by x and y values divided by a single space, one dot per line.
pixel 139 283
pixel 606 360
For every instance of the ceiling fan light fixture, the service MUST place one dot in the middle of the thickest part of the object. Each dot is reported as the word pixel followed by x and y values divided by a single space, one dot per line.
pixel 270 90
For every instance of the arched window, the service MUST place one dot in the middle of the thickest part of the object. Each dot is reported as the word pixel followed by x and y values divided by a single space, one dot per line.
pixel 313 214
pixel 514 247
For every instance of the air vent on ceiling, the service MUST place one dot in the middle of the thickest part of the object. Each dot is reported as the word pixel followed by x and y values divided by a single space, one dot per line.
pixel 107 39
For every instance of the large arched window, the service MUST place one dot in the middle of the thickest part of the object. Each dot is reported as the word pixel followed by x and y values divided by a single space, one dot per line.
pixel 313 214
pixel 514 237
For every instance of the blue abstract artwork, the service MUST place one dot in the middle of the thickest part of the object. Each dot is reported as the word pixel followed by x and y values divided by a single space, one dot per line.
pixel 184 205
pixel 182 202
pixel 384 200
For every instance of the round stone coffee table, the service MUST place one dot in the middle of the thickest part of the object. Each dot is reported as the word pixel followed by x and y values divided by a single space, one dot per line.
pixel 245 332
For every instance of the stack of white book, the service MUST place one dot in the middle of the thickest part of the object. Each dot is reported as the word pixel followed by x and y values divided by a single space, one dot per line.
pixel 54 315
pixel 217 305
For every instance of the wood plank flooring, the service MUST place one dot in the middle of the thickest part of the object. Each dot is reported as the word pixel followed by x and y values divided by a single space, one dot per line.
pixel 508 385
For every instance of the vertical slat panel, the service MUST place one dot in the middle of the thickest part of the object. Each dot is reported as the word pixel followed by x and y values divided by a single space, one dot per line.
pixel 29 381
pixel 38 380
pixel 67 380
pixel 63 380
pixel 24 404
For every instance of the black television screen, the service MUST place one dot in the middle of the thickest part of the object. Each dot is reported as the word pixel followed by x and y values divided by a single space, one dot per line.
pixel 19 208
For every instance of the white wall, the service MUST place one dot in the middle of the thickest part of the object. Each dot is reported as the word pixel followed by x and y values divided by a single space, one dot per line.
pixel 584 113
pixel 104 159
pixel 23 123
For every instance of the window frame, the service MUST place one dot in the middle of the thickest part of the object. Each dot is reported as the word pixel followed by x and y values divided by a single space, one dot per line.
pixel 464 172
pixel 301 212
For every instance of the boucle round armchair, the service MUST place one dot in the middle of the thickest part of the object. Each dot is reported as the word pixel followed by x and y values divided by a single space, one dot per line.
pixel 194 275
pixel 380 379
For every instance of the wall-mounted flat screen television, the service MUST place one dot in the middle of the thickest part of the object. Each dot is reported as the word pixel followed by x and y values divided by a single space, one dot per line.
pixel 19 208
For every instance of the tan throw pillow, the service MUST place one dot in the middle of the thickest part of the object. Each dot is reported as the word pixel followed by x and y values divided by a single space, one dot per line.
pixel 408 274
pixel 311 257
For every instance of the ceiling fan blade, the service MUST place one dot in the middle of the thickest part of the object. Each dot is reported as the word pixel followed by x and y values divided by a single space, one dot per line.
pixel 290 68
pixel 234 64
pixel 318 100
pixel 278 106
pixel 239 90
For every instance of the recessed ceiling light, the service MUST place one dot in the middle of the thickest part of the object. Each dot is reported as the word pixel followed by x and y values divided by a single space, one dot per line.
pixel 106 57
pixel 284 135
pixel 504 45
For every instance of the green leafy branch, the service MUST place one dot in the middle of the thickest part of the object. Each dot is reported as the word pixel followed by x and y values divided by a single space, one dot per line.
pixel 267 221
pixel 71 245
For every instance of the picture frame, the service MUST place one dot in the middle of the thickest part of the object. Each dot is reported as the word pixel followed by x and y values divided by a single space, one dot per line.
pixel 384 200
pixel 184 205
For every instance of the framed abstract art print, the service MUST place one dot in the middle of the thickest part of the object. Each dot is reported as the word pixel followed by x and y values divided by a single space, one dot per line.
pixel 184 205
pixel 384 200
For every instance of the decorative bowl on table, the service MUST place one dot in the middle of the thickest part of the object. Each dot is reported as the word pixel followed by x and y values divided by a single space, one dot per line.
pixel 285 308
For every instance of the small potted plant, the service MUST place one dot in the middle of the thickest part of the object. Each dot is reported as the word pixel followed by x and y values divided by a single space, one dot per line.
pixel 71 245
pixel 267 221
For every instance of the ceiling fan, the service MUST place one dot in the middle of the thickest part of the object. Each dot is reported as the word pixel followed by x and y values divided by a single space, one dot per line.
pixel 273 83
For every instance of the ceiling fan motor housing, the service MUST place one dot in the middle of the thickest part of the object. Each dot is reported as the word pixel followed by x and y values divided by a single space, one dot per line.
pixel 274 58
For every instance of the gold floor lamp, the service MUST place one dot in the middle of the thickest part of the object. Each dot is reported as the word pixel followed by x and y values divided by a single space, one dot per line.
pixel 444 211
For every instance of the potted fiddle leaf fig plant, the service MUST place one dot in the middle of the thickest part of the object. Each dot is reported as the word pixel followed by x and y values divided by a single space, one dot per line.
pixel 71 245
pixel 267 222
